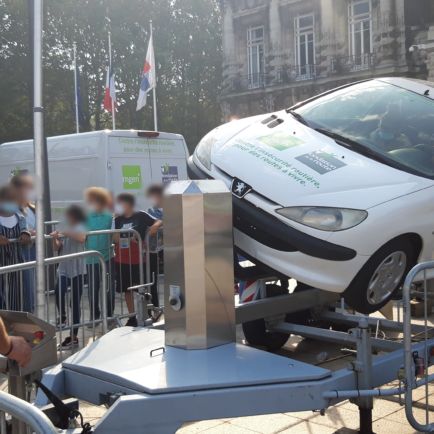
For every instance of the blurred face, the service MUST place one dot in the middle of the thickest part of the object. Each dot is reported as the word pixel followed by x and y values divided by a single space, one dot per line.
pixel 9 204
pixel 94 205
pixel 156 200
pixel 26 191
pixel 123 208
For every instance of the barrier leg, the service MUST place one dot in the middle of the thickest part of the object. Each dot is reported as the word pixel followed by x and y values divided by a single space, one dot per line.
pixel 364 375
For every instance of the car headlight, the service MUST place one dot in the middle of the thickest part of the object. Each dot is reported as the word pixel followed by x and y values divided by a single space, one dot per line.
pixel 324 219
pixel 204 148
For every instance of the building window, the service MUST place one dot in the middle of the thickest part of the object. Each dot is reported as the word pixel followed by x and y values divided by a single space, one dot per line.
pixel 255 56
pixel 305 47
pixel 360 30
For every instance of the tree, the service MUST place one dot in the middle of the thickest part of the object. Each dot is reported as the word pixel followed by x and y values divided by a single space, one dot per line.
pixel 187 44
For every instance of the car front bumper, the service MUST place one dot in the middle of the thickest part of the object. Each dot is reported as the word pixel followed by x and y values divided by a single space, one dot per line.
pixel 287 250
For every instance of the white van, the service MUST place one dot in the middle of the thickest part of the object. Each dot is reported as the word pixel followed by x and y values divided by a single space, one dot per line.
pixel 121 161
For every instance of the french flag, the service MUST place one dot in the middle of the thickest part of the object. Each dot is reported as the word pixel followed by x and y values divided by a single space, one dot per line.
pixel 148 76
pixel 110 91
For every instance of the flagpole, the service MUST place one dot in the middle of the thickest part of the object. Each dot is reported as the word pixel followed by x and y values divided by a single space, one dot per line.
pixel 110 65
pixel 77 122
pixel 154 91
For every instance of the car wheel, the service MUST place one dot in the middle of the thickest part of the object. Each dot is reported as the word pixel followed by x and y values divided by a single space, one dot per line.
pixel 256 332
pixel 381 276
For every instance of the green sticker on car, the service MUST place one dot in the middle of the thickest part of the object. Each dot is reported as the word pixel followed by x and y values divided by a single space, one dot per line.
pixel 132 177
pixel 280 140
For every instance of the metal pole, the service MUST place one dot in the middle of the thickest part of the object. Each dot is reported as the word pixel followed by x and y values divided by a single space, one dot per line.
pixel 41 171
pixel 77 123
pixel 154 91
pixel 110 78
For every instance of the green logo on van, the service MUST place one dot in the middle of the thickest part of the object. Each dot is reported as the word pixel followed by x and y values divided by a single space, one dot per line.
pixel 132 177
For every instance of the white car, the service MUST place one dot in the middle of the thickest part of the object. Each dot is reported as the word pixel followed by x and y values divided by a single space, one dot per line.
pixel 336 192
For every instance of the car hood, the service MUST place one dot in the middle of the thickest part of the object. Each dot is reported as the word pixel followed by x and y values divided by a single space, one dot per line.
pixel 292 164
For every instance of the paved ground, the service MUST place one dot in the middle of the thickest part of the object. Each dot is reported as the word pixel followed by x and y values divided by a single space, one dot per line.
pixel 389 415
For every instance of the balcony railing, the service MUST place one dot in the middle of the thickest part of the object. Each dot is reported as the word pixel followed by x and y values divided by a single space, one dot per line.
pixel 345 64
pixel 288 74
pixel 247 82
pixel 297 73
pixel 256 81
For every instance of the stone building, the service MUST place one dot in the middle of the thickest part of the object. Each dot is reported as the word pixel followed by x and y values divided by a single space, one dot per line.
pixel 279 52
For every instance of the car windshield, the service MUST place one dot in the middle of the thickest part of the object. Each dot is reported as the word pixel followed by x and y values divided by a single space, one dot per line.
pixel 379 120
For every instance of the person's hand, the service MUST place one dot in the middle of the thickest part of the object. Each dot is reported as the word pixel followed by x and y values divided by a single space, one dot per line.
pixel 153 230
pixel 25 239
pixel 3 241
pixel 21 351
pixel 55 235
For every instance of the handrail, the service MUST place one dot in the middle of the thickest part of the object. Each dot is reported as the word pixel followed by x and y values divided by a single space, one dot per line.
pixel 27 413
pixel 59 259
pixel 113 232
pixel 408 352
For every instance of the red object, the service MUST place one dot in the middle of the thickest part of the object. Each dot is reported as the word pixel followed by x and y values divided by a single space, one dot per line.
pixel 110 92
pixel 39 335
pixel 129 255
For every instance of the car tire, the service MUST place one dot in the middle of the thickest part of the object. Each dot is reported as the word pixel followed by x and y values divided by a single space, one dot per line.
pixel 382 276
pixel 256 333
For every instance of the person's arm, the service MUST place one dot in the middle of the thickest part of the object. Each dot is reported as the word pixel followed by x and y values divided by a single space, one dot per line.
pixel 154 228
pixel 116 237
pixel 25 236
pixel 57 242
pixel 14 347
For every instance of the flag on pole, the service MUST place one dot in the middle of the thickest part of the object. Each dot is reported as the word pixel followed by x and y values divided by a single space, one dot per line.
pixel 110 91
pixel 148 76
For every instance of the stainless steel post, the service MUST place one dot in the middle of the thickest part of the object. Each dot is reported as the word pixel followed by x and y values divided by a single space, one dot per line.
pixel 39 145
pixel 199 277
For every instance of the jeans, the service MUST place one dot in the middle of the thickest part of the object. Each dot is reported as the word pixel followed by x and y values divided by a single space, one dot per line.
pixel 94 284
pixel 76 284
pixel 29 280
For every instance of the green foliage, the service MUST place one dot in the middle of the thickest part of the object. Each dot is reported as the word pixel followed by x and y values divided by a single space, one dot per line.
pixel 187 44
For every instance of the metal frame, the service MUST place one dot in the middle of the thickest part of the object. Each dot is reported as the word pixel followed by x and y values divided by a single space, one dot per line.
pixel 361 381
pixel 409 363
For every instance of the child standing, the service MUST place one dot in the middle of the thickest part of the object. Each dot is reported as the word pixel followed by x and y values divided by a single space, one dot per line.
pixel 71 273
pixel 99 218
pixel 12 226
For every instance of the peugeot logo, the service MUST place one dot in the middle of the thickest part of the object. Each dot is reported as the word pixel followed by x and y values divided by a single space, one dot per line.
pixel 240 188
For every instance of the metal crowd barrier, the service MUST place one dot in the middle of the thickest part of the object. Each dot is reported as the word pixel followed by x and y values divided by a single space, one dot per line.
pixel 415 364
pixel 23 277
pixel 36 421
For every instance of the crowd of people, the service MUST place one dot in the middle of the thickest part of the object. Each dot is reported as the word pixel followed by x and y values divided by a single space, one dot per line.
pixel 84 228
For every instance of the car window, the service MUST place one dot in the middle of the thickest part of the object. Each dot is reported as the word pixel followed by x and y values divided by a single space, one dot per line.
pixel 385 119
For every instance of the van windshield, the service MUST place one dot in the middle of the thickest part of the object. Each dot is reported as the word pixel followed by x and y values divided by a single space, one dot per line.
pixel 382 121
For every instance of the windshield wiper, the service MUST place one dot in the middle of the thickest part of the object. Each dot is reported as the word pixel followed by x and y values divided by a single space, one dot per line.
pixel 298 116
pixel 355 146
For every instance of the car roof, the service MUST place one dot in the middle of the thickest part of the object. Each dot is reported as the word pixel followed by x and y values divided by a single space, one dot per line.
pixel 421 87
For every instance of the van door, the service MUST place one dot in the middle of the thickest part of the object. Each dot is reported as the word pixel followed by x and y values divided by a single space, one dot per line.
pixel 129 167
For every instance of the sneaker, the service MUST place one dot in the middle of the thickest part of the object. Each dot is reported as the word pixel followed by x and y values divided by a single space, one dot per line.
pixel 69 343
pixel 132 322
